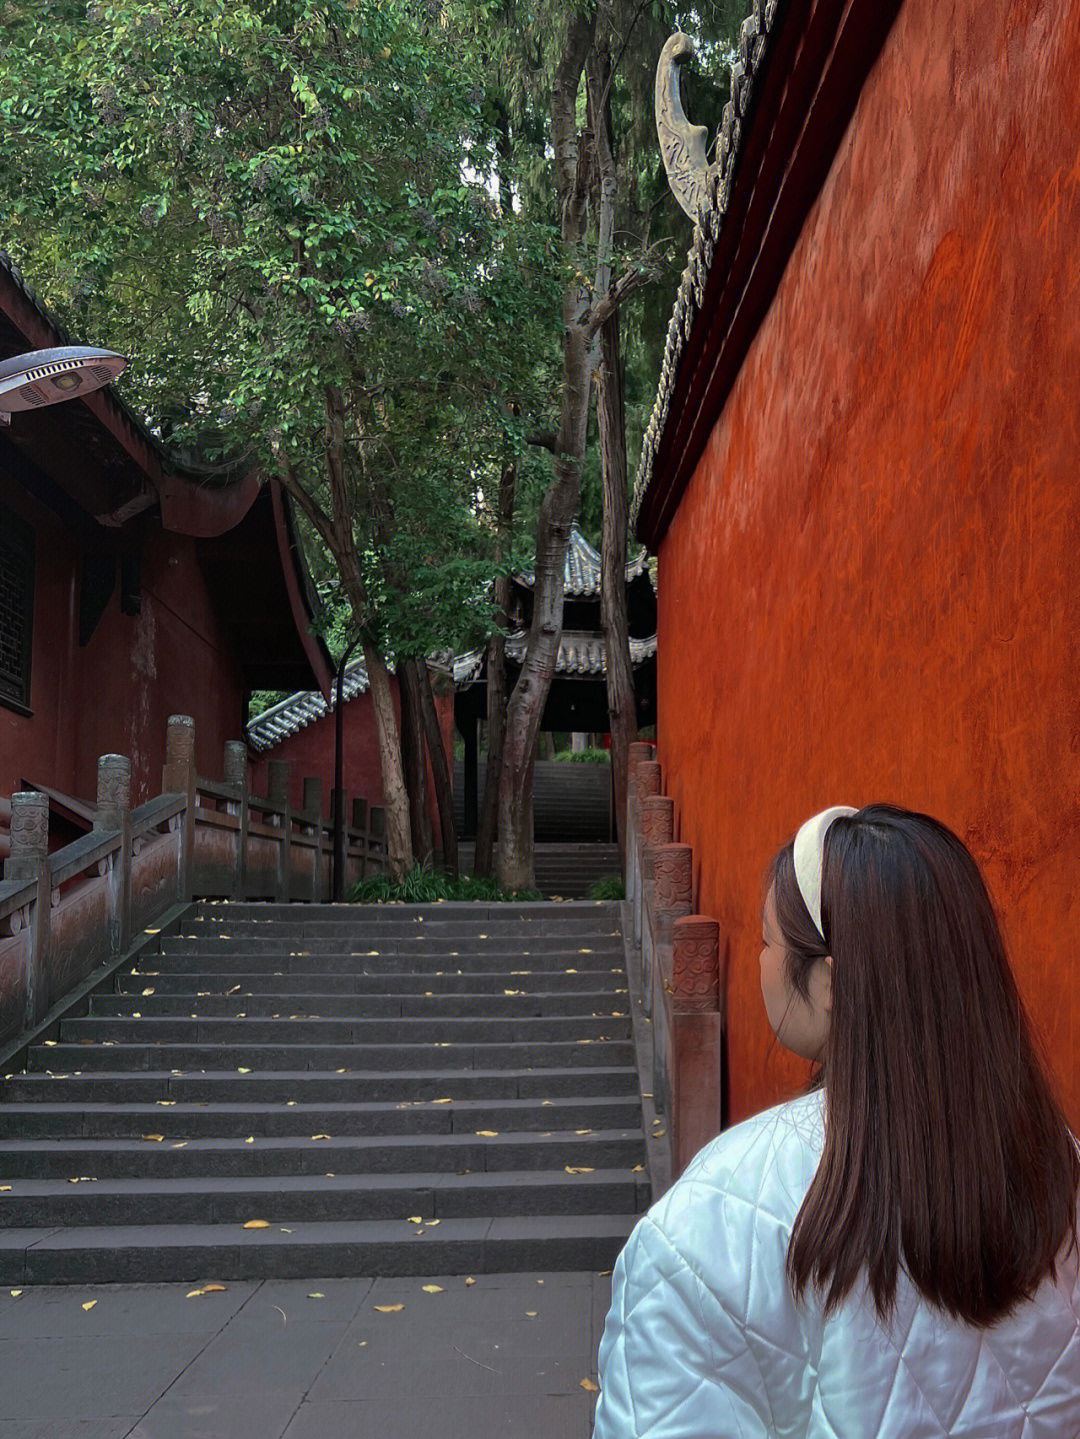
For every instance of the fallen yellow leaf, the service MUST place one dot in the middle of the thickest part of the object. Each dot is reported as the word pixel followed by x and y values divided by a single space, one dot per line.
pixel 488 1133
pixel 531 1313
pixel 547 1101
pixel 243 1071
pixel 5 1186
pixel 194 1293
pixel 470 1280
pixel 15 1293
pixel 90 1304
pixel 316 1295
pixel 590 1386
pixel 579 1169
pixel 165 1103
pixel 290 1102
pixel 658 1132
pixel 442 1101
pixel 214 1289
pixel 432 1288
pixel 389 1308
pixel 320 1136
pixel 415 1219
pixel 157 1138
pixel 637 1168
pixel 182 1145
pixel 148 991
pixel 257 1224
pixel 250 1139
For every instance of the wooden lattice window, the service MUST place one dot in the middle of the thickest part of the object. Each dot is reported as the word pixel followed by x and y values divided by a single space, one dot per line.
pixel 16 609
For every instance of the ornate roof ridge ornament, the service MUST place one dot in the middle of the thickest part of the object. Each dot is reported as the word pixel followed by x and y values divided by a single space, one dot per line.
pixel 703 191
pixel 682 145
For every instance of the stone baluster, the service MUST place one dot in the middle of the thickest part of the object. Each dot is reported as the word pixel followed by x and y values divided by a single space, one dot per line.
pixel 696 1020
pixel 178 777
pixel 656 827
pixel 278 778
pixel 670 897
pixel 638 753
pixel 114 813
pixel 29 860
pixel 235 772
pixel 647 782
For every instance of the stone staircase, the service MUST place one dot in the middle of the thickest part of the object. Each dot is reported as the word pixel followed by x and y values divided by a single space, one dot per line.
pixel 335 1073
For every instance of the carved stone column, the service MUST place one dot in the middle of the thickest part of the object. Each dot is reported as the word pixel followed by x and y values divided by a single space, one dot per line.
pixel 656 827
pixel 113 791
pixel 179 754
pixel 695 970
pixel 647 783
pixel 639 752
pixel 29 835
pixel 235 774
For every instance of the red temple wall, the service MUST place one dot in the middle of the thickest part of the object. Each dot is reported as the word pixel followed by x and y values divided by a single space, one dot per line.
pixel 871 589
pixel 310 751
pixel 115 695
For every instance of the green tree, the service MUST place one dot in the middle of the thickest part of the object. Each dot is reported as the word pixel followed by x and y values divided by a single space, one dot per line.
pixel 283 213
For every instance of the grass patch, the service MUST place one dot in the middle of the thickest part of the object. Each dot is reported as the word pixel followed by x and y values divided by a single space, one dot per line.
pixel 610 887
pixel 423 885
pixel 585 756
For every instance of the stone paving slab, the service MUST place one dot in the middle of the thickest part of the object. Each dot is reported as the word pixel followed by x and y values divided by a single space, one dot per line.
pixel 504 1356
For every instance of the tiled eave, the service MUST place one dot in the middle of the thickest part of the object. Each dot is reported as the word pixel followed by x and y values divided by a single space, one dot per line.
pixel 800 69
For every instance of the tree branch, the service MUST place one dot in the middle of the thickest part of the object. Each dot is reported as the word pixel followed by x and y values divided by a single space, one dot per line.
pixel 644 273
pixel 545 439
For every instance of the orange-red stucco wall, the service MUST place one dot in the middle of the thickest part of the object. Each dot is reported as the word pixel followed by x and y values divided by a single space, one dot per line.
pixel 310 752
pixel 115 695
pixel 871 589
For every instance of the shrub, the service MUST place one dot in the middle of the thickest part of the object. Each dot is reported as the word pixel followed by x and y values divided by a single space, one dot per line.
pixel 585 756
pixel 423 885
pixel 610 887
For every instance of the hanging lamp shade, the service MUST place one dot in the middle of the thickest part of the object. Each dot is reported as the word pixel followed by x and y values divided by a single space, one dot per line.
pixel 44 377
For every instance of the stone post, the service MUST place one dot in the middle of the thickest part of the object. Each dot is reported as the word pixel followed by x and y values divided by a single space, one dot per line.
pixel 313 828
pixel 656 826
pixel 696 1022
pixel 377 835
pixel 178 777
pixel 29 860
pixel 114 812
pixel 235 771
pixel 669 899
pixel 360 822
pixel 278 775
pixel 647 783
pixel 638 753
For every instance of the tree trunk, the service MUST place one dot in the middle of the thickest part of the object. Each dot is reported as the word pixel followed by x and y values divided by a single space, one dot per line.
pixel 440 768
pixel 622 708
pixel 559 505
pixel 496 679
pixel 412 753
pixel 395 796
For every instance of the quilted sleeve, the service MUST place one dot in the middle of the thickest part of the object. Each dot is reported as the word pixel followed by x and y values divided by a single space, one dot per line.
pixel 672 1363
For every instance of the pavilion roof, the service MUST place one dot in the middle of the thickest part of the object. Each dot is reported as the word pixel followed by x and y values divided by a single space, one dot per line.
pixel 582 569
pixel 581 653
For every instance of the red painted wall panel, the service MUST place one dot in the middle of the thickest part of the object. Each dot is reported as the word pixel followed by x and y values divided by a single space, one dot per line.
pixel 871 590
pixel 310 751
pixel 115 695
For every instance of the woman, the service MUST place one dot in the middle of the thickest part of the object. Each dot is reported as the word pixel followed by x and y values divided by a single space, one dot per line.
pixel 895 1252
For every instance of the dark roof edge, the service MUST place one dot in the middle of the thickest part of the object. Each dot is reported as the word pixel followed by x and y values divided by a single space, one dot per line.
pixel 190 503
pixel 801 67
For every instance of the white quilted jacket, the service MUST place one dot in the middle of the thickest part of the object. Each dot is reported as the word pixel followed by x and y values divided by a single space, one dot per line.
pixel 703 1339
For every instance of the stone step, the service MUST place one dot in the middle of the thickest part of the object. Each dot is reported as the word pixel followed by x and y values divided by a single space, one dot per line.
pixel 381 964
pixel 443 1054
pixel 521 1004
pixel 481 986
pixel 195 1254
pixel 315 1028
pixel 418 948
pixel 315 1086
pixel 181 1119
pixel 347 1154
pixel 311 1198
pixel 494 931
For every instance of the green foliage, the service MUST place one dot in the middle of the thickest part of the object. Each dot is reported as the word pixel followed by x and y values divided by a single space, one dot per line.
pixel 263 204
pixel 262 700
pixel 610 887
pixel 584 756
pixel 425 886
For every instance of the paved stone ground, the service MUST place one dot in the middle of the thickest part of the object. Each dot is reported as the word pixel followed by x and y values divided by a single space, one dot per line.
pixel 265 1360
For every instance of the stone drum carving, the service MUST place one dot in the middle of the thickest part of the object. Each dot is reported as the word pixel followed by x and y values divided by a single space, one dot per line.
pixel 695 976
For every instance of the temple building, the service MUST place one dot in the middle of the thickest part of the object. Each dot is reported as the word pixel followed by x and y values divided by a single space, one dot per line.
pixel 860 478
pixel 131 589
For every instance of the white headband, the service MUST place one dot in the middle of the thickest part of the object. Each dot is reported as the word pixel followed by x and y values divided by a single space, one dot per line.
pixel 809 851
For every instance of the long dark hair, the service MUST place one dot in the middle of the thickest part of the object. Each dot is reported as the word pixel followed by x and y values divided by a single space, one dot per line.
pixel 945 1149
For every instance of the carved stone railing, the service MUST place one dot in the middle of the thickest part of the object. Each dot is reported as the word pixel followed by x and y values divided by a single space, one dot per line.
pixel 64 914
pixel 681 983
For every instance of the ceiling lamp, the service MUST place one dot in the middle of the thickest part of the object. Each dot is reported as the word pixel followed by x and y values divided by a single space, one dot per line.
pixel 44 377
